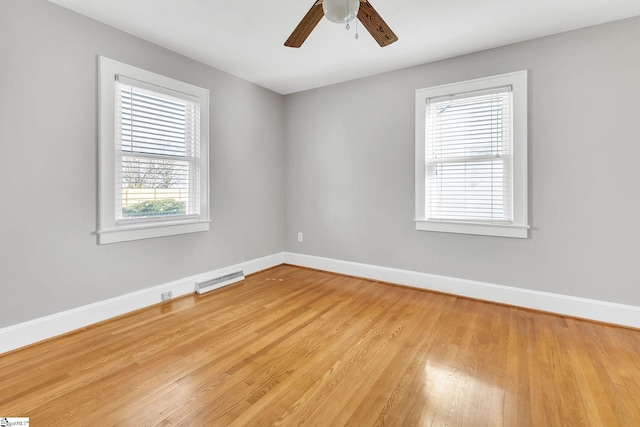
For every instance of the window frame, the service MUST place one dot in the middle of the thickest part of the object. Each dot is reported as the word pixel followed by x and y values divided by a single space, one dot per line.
pixel 519 227
pixel 110 229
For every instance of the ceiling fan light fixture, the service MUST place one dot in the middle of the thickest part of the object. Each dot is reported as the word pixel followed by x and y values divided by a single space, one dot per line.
pixel 340 11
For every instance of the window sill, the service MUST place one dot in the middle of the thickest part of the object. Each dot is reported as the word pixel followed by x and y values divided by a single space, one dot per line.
pixel 146 231
pixel 497 230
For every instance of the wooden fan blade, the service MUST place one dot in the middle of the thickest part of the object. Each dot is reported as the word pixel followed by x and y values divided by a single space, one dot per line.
pixel 375 24
pixel 305 26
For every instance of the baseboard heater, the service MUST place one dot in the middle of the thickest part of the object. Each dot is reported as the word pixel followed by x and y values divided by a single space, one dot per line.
pixel 218 282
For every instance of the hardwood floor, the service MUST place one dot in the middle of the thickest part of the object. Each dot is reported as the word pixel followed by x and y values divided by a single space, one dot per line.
pixel 292 346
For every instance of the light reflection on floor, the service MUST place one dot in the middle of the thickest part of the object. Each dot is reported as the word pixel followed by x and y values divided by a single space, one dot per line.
pixel 453 397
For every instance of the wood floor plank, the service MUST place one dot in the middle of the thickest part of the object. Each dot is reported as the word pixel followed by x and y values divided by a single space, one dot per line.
pixel 309 390
pixel 294 346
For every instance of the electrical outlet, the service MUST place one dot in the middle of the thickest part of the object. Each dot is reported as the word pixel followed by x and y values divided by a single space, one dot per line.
pixel 300 237
pixel 167 295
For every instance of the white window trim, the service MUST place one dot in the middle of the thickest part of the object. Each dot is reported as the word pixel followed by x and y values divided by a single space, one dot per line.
pixel 520 227
pixel 109 231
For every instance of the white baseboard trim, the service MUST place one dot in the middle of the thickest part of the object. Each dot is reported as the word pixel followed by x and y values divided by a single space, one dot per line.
pixel 601 311
pixel 30 332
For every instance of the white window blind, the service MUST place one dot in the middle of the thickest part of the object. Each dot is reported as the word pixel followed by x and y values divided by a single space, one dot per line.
pixel 153 155
pixel 157 153
pixel 468 157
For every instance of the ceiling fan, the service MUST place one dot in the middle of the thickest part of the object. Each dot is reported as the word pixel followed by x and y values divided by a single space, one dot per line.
pixel 342 11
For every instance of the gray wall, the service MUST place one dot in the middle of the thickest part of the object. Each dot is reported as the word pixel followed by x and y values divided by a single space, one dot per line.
pixel 345 176
pixel 49 259
pixel 350 169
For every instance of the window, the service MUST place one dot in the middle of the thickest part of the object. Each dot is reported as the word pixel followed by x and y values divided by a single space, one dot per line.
pixel 471 157
pixel 153 155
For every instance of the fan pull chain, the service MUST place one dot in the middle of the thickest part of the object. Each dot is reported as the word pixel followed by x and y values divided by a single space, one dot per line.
pixel 348 27
pixel 347 13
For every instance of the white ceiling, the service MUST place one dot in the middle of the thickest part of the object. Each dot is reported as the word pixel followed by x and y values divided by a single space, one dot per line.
pixel 245 38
